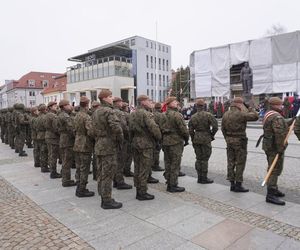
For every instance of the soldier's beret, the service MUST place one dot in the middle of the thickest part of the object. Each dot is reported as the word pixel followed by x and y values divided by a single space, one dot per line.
pixel 42 107
pixel 157 105
pixel 238 100
pixel 84 99
pixel 95 104
pixel 15 106
pixel 50 104
pixel 200 102
pixel 63 102
pixel 104 93
pixel 275 101
pixel 170 99
pixel 142 98
pixel 118 99
pixel 33 109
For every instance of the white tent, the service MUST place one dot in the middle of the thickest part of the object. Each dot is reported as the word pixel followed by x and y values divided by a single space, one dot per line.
pixel 275 62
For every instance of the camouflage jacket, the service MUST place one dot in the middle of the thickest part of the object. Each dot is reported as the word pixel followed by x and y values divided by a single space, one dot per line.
pixel 234 123
pixel 20 121
pixel 65 127
pixel 40 126
pixel 84 141
pixel 107 130
pixel 14 119
pixel 144 132
pixel 122 117
pixel 32 123
pixel 173 128
pixel 50 123
pixel 202 127
pixel 158 116
pixel 297 128
pixel 275 130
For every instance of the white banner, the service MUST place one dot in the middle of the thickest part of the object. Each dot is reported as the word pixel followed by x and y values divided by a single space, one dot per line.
pixel 202 61
pixel 239 53
pixel 220 60
pixel 203 85
pixel 260 53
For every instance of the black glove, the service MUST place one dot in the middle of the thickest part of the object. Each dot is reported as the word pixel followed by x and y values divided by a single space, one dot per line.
pixel 212 137
pixel 186 142
pixel 158 146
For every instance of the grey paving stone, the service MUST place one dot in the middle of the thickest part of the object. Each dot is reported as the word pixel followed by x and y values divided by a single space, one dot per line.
pixel 221 235
pixel 125 236
pixel 290 245
pixel 189 246
pixel 290 215
pixel 175 215
pixel 225 196
pixel 268 209
pixel 259 240
pixel 160 240
pixel 248 200
pixel 195 225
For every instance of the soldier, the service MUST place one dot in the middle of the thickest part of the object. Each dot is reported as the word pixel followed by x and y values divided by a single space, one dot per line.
pixel 174 137
pixel 52 139
pixel 12 130
pixel 234 125
pixel 219 109
pixel 275 131
pixel 28 138
pixel 3 125
pixel 33 129
pixel 127 152
pixel 83 147
pixel 157 118
pixel 202 128
pixel 20 122
pixel 65 126
pixel 41 146
pixel 109 136
pixel 211 107
pixel 144 133
pixel 8 123
pixel 226 105
pixel 286 107
pixel 119 182
pixel 297 127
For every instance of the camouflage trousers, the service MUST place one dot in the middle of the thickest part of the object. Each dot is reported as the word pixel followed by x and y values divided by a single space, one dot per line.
pixel 156 153
pixel 11 137
pixel 272 182
pixel 53 154
pixel 42 150
pixel 119 178
pixel 94 166
pixel 127 157
pixel 3 131
pixel 67 155
pixel 143 160
pixel 83 163
pixel 172 158
pixel 107 165
pixel 236 160
pixel 20 140
pixel 36 154
pixel 203 153
pixel 28 138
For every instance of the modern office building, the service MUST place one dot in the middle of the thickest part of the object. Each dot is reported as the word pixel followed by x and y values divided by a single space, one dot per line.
pixel 151 66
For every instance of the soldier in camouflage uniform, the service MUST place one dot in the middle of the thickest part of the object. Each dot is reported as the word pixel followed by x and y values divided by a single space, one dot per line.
pixel 65 126
pixel 144 133
pixel 41 146
pixel 21 121
pixel 119 182
pixel 275 131
pixel 127 152
pixel 234 125
pixel 157 118
pixel 52 138
pixel 202 128
pixel 28 138
pixel 109 136
pixel 12 130
pixel 297 128
pixel 174 137
pixel 33 129
pixel 8 123
pixel 211 107
pixel 286 107
pixel 3 125
pixel 83 147
pixel 219 109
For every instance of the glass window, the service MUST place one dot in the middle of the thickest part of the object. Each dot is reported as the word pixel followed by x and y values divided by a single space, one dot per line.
pixel 147 92
pixel 167 50
pixel 147 78
pixel 151 79
pixel 152 94
pixel 164 79
pixel 151 45
pixel 127 42
pixel 168 81
pixel 163 64
pixel 147 61
pixel 45 83
pixel 159 47
pixel 31 83
pixel 163 48
pixel 160 96
pixel 167 65
pixel 159 79
pixel 132 42
pixel 147 44
pixel 82 94
pixel 159 64
pixel 151 61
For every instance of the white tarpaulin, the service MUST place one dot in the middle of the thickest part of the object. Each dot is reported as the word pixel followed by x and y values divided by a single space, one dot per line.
pixel 220 85
pixel 202 61
pixel 220 59
pixel 203 85
pixel 298 77
pixel 262 81
pixel 260 53
pixel 285 78
pixel 239 53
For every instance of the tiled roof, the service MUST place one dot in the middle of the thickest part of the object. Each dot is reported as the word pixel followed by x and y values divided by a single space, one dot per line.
pixel 59 85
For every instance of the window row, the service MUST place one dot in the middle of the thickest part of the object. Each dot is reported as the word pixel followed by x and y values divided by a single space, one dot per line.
pixel 162 94
pixel 161 47
pixel 163 64
pixel 163 80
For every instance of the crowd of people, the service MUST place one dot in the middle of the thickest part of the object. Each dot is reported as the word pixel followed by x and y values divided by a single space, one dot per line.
pixel 109 137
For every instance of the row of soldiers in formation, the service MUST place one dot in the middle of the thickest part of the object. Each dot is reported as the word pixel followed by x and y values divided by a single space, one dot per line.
pixel 110 137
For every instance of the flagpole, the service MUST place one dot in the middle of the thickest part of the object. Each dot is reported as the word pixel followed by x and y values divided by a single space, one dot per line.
pixel 156 64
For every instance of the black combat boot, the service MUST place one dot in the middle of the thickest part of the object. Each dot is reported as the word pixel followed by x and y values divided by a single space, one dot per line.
pixel 204 180
pixel 37 166
pixel 16 151
pixel 144 196
pixel 152 180
pixel 112 204
pixel 45 170
pixel 55 175
pixel 272 198
pixel 69 183
pixel 81 193
pixel 22 154
pixel 29 146
pixel 157 169
pixel 239 188
pixel 128 174
pixel 175 189
pixel 123 185
pixel 181 174
pixel 232 186
pixel 278 193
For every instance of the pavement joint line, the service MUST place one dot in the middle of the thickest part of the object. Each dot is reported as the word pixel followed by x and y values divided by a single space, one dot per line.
pixel 238 214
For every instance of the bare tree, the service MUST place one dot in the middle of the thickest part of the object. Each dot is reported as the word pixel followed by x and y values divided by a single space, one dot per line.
pixel 276 29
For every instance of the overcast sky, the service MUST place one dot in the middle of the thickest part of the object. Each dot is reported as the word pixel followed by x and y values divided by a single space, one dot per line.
pixel 39 35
